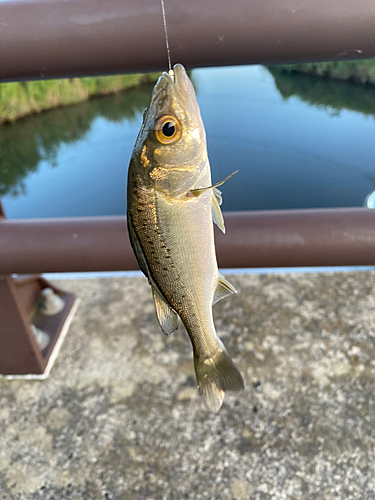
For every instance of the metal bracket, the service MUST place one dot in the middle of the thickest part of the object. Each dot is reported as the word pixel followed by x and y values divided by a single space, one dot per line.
pixel 19 351
pixel 21 318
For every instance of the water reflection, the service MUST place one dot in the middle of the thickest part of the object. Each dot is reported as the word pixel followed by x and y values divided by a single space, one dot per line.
pixel 298 141
pixel 28 142
pixel 325 93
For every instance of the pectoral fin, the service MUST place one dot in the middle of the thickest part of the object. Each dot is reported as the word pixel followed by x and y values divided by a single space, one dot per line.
pixel 167 317
pixel 199 191
pixel 223 289
pixel 217 216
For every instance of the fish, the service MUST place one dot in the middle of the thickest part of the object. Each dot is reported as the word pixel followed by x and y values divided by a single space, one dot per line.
pixel 171 208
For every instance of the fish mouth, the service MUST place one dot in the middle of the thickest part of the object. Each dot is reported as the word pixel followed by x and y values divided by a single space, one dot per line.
pixel 176 79
pixel 179 78
pixel 176 85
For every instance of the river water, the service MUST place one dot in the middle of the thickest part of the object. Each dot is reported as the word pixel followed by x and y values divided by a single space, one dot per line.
pixel 298 141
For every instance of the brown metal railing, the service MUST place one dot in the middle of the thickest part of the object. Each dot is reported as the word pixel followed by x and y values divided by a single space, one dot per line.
pixel 330 237
pixel 59 38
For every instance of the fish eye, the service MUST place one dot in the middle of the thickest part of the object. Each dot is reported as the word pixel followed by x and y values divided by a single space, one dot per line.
pixel 167 129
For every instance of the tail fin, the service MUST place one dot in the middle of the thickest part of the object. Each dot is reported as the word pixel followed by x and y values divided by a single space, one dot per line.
pixel 216 375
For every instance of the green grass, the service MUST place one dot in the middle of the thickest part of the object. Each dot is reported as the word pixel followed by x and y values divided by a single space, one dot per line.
pixel 19 99
pixel 359 71
pixel 27 143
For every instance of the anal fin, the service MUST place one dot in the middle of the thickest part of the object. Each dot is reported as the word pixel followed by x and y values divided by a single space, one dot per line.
pixel 167 317
pixel 223 289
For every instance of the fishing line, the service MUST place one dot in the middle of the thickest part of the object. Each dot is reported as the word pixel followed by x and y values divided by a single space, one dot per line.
pixel 166 37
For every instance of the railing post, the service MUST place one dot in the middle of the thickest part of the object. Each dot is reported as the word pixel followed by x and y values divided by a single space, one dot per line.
pixel 20 353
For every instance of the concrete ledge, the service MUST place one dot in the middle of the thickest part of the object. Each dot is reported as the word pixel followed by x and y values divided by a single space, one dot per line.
pixel 119 418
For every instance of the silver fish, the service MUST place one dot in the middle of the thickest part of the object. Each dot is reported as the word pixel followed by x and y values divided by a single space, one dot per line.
pixel 171 206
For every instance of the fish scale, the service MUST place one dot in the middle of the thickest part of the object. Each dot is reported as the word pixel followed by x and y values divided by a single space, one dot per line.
pixel 166 263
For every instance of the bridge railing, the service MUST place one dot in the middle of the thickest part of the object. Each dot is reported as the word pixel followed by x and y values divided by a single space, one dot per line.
pixel 64 38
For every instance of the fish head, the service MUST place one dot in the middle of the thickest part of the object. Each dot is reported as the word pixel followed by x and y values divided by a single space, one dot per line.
pixel 172 141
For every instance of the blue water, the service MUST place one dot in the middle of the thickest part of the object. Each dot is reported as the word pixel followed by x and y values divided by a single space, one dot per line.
pixel 88 177
pixel 292 152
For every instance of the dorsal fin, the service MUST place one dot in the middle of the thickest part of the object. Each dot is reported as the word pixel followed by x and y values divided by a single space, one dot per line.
pixel 141 259
pixel 167 317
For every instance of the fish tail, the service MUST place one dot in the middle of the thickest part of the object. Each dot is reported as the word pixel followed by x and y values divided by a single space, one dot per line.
pixel 215 375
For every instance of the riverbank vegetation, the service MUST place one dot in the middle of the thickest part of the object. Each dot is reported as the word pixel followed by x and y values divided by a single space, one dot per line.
pixel 358 71
pixel 27 143
pixel 325 93
pixel 19 99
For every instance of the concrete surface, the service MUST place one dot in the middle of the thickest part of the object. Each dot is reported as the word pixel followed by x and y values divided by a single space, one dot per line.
pixel 119 417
